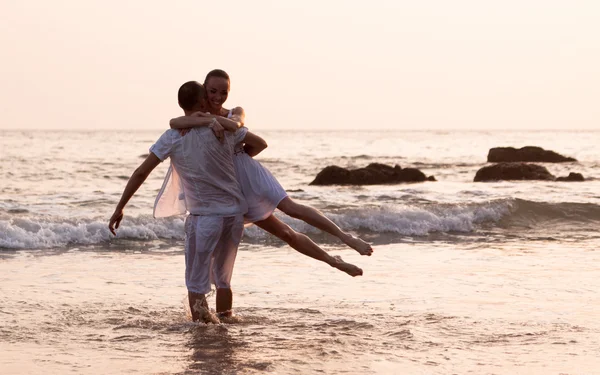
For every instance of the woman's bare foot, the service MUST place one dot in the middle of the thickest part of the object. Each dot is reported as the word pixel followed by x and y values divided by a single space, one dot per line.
pixel 357 244
pixel 350 269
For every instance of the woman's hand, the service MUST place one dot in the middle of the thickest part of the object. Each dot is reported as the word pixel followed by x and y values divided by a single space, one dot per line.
pixel 218 130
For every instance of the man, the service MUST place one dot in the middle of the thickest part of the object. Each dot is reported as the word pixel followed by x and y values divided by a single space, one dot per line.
pixel 212 196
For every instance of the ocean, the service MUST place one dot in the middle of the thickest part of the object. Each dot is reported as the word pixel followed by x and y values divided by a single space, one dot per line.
pixel 479 278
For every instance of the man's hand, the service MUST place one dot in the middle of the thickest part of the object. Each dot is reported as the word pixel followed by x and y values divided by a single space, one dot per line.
pixel 115 220
pixel 218 130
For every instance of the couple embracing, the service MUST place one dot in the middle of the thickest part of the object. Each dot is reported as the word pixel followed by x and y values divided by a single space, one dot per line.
pixel 214 178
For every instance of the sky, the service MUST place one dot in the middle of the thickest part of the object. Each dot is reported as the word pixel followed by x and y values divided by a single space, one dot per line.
pixel 310 64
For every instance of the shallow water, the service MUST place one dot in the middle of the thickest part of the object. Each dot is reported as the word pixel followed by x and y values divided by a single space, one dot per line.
pixel 434 308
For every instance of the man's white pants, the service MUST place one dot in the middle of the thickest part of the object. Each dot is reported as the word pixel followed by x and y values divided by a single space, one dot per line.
pixel 211 246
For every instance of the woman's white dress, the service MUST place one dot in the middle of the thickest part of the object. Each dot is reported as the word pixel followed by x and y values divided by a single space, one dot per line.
pixel 261 190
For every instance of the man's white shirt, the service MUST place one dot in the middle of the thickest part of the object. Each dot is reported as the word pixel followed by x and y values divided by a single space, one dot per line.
pixel 201 178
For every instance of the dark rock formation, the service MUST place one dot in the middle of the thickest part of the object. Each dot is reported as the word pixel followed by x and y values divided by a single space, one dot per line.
pixel 513 171
pixel 373 174
pixel 525 154
pixel 520 171
pixel 572 177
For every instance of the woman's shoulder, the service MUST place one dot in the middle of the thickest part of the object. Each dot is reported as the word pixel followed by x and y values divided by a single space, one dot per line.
pixel 234 110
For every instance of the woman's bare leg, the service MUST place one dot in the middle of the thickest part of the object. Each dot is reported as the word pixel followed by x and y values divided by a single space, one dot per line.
pixel 314 217
pixel 304 245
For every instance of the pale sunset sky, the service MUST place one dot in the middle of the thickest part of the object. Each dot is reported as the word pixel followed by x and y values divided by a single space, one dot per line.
pixel 310 64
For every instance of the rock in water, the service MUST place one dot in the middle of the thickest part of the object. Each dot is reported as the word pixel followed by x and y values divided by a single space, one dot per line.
pixel 513 171
pixel 373 174
pixel 525 154
pixel 572 177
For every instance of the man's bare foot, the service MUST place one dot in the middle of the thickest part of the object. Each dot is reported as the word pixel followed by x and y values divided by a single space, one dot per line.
pixel 350 269
pixel 359 245
pixel 206 315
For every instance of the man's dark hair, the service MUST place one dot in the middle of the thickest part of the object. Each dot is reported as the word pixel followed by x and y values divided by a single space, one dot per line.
pixel 189 94
pixel 216 73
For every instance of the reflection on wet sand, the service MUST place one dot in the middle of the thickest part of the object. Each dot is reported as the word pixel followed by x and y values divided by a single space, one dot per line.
pixel 216 351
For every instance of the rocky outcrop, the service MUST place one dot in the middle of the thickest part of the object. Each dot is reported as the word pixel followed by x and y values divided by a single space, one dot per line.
pixel 513 171
pixel 520 171
pixel 525 154
pixel 373 174
pixel 572 177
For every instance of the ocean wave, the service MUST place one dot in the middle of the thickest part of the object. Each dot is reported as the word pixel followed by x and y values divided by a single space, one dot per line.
pixel 529 213
pixel 35 232
pixel 50 232
pixel 407 220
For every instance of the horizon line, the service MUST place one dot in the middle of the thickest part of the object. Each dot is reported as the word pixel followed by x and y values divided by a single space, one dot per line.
pixel 322 130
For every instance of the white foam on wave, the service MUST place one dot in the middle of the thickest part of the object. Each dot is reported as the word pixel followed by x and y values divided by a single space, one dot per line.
pixel 407 220
pixel 49 232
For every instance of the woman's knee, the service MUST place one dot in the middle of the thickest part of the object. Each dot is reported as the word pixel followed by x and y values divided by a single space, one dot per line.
pixel 288 235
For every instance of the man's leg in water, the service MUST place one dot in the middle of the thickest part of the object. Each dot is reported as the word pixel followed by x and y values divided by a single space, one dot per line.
pixel 314 217
pixel 224 261
pixel 305 245
pixel 224 301
pixel 195 298
pixel 202 237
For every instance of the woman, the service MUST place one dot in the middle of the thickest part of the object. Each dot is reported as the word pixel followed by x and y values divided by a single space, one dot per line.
pixel 263 192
